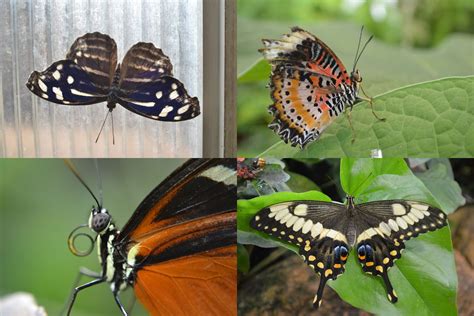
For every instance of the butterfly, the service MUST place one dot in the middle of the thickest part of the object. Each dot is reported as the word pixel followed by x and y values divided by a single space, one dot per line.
pixel 178 249
pixel 325 233
pixel 310 87
pixel 143 84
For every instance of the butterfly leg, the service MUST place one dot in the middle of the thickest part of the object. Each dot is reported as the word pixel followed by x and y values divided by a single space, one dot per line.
pixel 349 118
pixel 103 123
pixel 371 102
pixel 76 290
pixel 117 300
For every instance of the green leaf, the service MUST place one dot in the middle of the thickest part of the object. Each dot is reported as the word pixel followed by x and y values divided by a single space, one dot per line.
pixel 355 173
pixel 424 278
pixel 259 71
pixel 431 119
pixel 243 260
pixel 300 183
pixel 440 181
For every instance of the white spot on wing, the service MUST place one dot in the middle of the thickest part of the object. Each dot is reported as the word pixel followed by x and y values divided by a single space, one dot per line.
pixel 59 67
pixel 281 214
pixel 299 223
pixel 159 94
pixel 393 225
pixel 56 75
pixel 291 221
pixel 307 226
pixel 177 118
pixel 173 95
pixel 278 207
pixel 174 86
pixel 165 111
pixel 44 95
pixel 80 93
pixel 70 79
pixel 316 230
pixel 398 209
pixel 147 104
pixel 183 109
pixel 59 93
pixel 42 85
pixel 301 209
pixel 402 223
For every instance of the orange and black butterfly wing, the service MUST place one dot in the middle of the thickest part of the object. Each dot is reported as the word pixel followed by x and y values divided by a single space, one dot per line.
pixel 181 241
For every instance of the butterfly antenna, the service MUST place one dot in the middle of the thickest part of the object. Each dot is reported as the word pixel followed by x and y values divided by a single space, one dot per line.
pixel 99 181
pixel 71 167
pixel 363 48
pixel 113 132
pixel 358 46
pixel 102 127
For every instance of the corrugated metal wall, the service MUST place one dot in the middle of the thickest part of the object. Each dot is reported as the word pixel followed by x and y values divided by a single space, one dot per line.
pixel 36 33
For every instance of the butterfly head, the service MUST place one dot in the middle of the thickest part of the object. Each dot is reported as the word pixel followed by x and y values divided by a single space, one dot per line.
pixel 99 220
pixel 355 76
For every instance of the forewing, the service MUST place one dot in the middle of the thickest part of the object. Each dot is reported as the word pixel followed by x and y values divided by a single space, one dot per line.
pixel 302 46
pixel 96 54
pixel 199 188
pixel 318 229
pixel 64 82
pixel 163 99
pixel 383 228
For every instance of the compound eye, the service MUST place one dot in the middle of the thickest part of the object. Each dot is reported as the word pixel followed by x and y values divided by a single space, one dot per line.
pixel 100 221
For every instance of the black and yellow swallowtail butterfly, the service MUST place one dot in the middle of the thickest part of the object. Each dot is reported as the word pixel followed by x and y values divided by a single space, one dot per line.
pixel 325 232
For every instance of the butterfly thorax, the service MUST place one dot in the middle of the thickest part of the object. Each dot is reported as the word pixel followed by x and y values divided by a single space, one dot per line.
pixel 111 259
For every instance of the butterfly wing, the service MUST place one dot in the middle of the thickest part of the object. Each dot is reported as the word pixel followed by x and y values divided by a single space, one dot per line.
pixel 318 229
pixel 84 77
pixel 64 82
pixel 383 228
pixel 310 86
pixel 189 218
pixel 148 88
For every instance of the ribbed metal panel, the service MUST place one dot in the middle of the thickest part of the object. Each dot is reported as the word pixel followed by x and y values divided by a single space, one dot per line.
pixel 36 33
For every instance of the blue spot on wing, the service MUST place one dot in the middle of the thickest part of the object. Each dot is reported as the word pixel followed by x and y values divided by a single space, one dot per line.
pixel 64 82
pixel 163 99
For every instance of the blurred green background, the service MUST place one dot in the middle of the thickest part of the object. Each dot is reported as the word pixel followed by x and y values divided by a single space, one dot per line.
pixel 415 41
pixel 41 202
